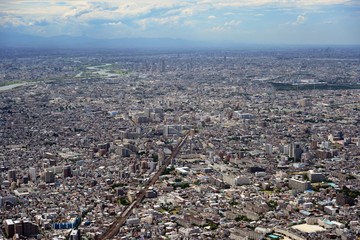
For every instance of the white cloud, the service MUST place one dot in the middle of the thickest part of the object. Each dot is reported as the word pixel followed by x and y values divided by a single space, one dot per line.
pixel 232 23
pixel 217 29
pixel 189 23
pixel 13 21
pixel 119 23
pixel 187 12
pixel 173 20
pixel 299 20
pixel 78 11
pixel 17 21
pixel 211 17
pixel 320 2
pixel 227 26
pixel 138 7
pixel 255 3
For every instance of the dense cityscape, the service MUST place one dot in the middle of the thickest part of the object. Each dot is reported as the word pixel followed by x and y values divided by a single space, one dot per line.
pixel 180 144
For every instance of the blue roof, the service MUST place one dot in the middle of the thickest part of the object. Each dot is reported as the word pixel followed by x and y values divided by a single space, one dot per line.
pixel 273 236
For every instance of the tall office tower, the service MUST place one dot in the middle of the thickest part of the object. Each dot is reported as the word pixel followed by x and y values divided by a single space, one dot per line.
pixel 18 227
pixel 153 67
pixel 295 151
pixel 161 159
pixel 32 174
pixel 285 149
pixel 12 175
pixel 9 227
pixel 291 150
pixel 67 171
pixel 188 67
pixel 49 177
pixel 162 65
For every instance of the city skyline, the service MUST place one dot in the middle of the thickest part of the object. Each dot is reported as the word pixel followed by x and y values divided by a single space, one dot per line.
pixel 236 22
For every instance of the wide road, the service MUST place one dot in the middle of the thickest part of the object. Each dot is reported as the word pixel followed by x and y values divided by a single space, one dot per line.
pixel 120 220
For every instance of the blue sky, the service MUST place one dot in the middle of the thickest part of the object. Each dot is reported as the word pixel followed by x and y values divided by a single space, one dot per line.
pixel 241 21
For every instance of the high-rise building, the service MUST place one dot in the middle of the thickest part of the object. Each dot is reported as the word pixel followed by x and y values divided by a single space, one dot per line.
pixel 295 151
pixel 188 67
pixel 291 150
pixel 49 177
pixel 67 171
pixel 32 173
pixel 9 227
pixel 162 65
pixel 12 175
pixel 153 67
pixel 18 227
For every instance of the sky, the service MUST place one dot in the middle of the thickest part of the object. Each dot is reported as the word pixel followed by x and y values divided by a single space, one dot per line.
pixel 235 21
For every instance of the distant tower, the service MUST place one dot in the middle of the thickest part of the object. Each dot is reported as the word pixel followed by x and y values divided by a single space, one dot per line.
pixel 268 149
pixel 32 173
pixel 291 150
pixel 12 175
pixel 295 151
pixel 153 67
pixel 188 67
pixel 221 119
pixel 161 159
pixel 162 65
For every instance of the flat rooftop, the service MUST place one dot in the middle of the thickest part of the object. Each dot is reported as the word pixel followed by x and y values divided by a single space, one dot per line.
pixel 308 228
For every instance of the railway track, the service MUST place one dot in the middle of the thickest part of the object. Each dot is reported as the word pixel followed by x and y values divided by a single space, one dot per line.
pixel 114 228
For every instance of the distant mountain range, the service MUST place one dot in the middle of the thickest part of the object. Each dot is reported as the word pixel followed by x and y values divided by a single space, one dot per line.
pixel 15 40
pixel 21 40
